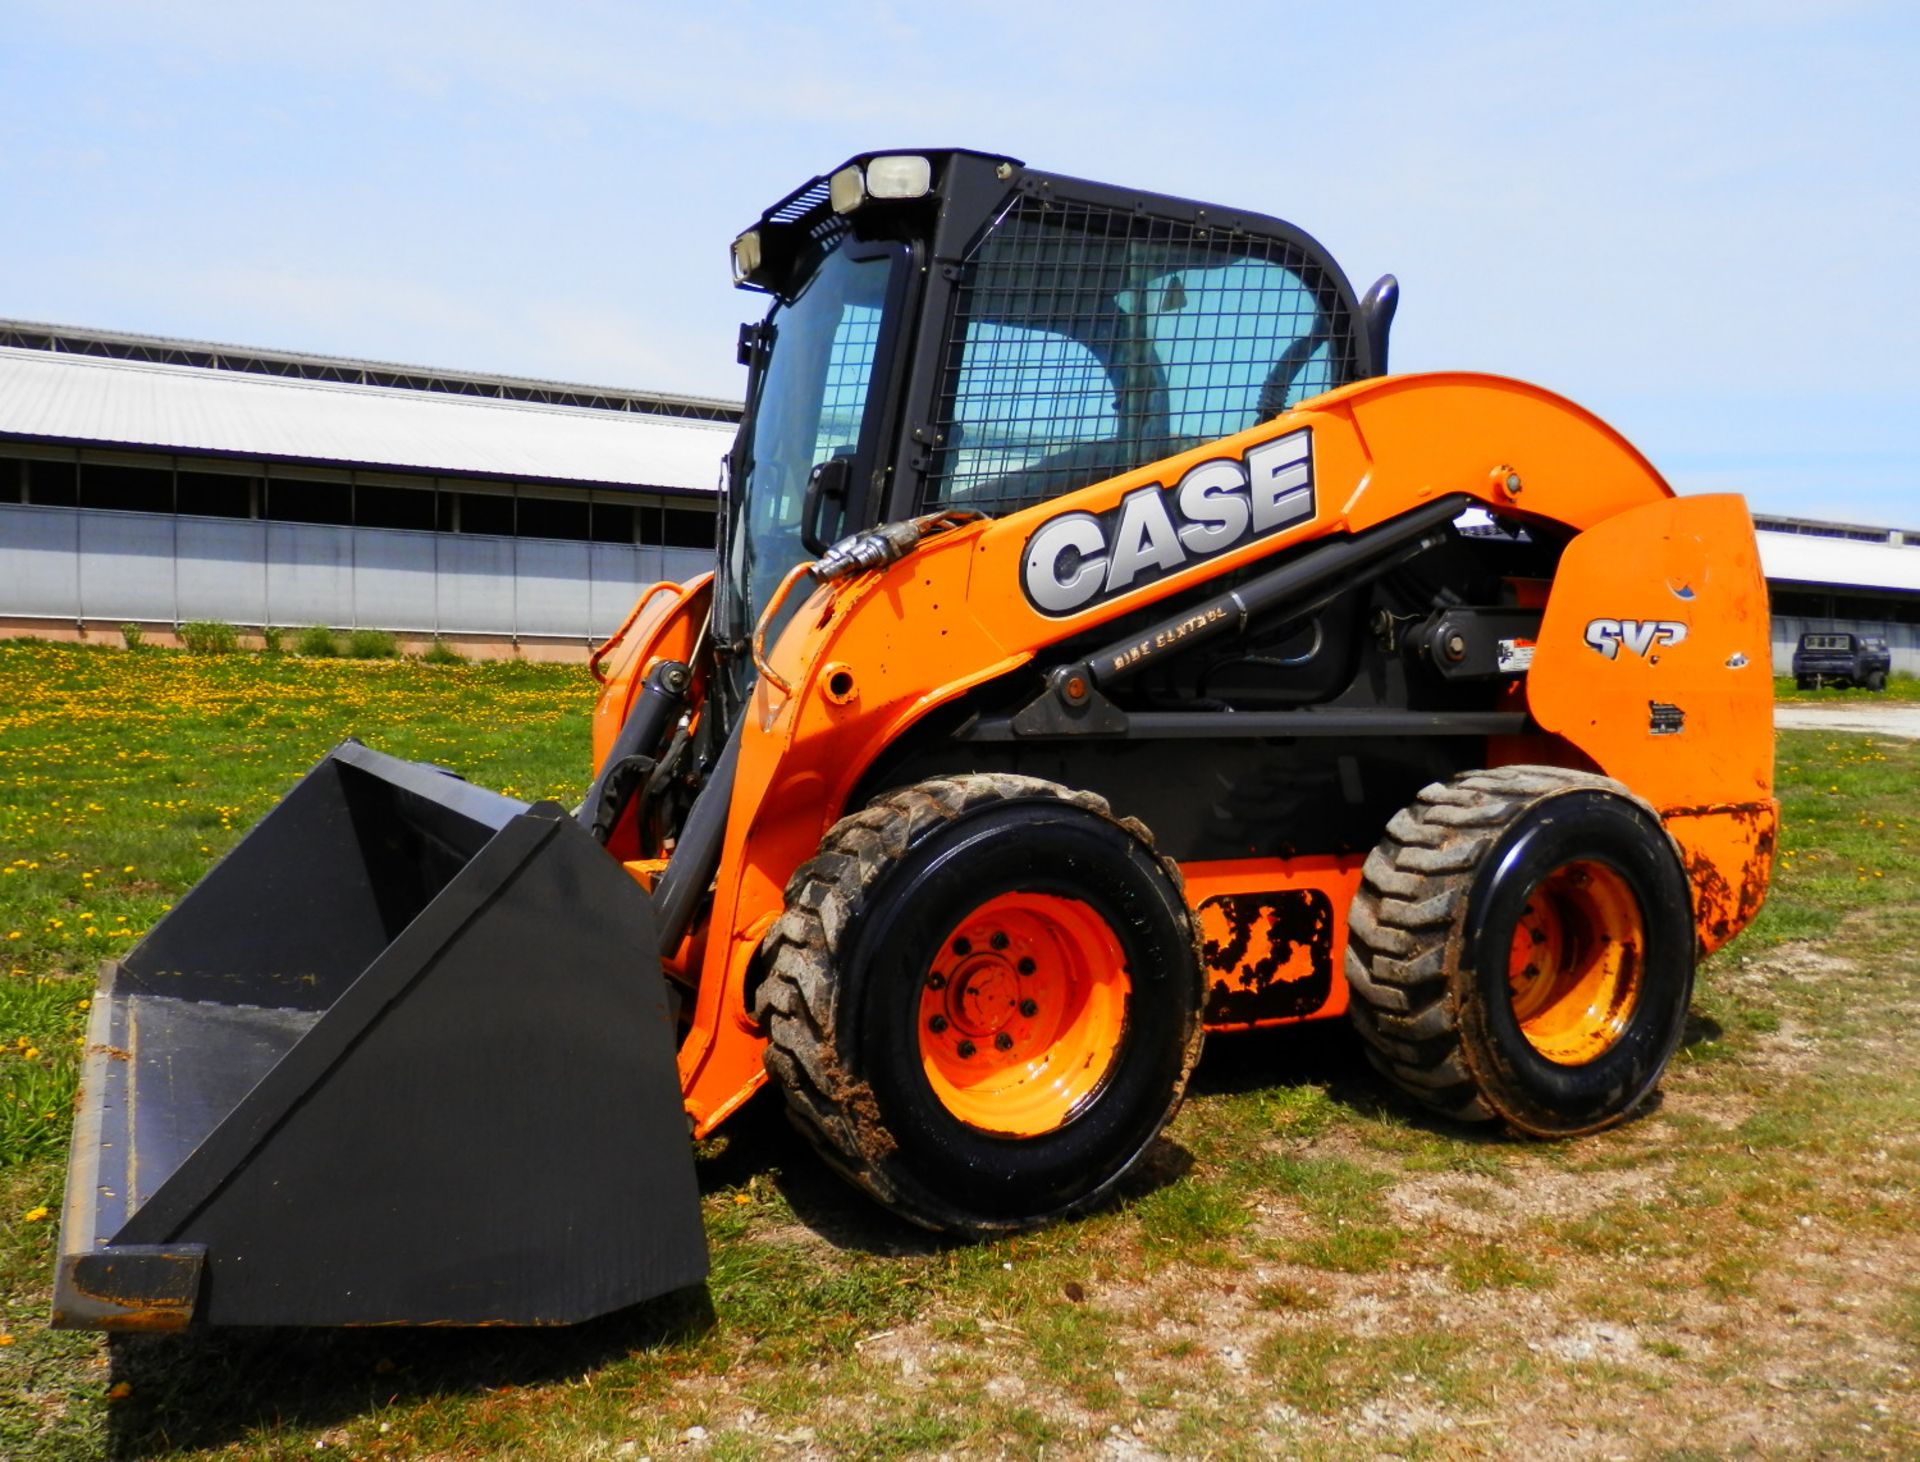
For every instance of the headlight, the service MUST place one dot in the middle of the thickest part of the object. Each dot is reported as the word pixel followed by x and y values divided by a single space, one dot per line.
pixel 846 189
pixel 746 255
pixel 899 177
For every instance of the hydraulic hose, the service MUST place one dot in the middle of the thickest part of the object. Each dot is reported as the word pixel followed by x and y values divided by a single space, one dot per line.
pixel 873 549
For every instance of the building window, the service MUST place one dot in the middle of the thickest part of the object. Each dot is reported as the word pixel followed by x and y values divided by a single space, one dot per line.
pixel 126 489
pixel 291 496
pixel 297 501
pixel 53 484
pixel 213 494
pixel 476 512
pixel 612 522
pixel 552 517
pixel 687 528
pixel 393 507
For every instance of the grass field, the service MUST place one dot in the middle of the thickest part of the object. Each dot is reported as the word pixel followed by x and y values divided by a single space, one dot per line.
pixel 1901 687
pixel 1311 1268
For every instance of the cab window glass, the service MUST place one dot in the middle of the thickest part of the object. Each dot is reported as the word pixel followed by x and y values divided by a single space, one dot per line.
pixel 1085 342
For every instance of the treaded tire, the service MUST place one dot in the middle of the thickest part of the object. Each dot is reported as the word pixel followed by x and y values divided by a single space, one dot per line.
pixel 1877 680
pixel 1430 929
pixel 843 979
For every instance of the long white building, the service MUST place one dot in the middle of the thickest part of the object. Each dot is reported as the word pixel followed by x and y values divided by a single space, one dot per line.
pixel 155 482
pixel 1841 576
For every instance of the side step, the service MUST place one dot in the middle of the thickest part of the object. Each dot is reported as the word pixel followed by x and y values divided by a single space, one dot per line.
pixel 402 1057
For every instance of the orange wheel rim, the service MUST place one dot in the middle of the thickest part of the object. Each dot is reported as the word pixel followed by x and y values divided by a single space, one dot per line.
pixel 1022 1011
pixel 1577 962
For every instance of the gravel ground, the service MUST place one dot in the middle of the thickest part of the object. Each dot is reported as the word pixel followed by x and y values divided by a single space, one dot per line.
pixel 1879 720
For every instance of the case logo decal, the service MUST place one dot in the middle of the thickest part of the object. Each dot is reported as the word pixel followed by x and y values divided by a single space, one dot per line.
pixel 1077 560
pixel 1638 635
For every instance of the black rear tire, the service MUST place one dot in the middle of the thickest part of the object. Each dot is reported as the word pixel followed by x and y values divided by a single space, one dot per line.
pixel 846 975
pixel 1461 885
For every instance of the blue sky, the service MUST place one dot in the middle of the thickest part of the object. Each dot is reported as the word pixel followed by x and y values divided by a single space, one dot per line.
pixel 1699 220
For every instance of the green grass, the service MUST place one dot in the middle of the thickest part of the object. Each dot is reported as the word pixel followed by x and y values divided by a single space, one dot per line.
pixel 1900 687
pixel 1309 1267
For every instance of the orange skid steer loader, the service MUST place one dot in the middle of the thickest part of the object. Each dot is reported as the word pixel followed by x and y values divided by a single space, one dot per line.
pixel 1101 650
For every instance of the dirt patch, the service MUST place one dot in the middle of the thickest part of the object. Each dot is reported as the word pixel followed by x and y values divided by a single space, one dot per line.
pixel 1881 720
pixel 1487 1208
pixel 1805 963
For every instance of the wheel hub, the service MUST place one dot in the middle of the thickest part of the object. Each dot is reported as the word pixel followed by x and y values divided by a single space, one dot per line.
pixel 1022 1012
pixel 1575 963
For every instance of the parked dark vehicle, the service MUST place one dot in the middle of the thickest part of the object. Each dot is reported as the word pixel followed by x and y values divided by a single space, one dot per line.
pixel 1833 658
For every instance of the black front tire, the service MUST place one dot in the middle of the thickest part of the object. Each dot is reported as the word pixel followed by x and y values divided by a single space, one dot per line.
pixel 841 996
pixel 1432 929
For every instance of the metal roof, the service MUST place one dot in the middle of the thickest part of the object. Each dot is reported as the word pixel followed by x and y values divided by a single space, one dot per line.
pixel 89 400
pixel 305 365
pixel 1807 558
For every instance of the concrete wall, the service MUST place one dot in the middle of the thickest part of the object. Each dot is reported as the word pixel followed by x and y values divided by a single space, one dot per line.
pixel 1902 639
pixel 90 566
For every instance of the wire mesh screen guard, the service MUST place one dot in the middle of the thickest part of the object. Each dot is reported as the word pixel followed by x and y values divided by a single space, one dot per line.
pixel 1086 341
pixel 848 373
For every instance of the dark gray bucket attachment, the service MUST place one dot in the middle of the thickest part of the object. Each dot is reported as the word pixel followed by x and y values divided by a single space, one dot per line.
pixel 402 1057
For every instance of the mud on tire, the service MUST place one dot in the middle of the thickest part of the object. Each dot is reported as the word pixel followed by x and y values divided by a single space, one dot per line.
pixel 1521 949
pixel 869 928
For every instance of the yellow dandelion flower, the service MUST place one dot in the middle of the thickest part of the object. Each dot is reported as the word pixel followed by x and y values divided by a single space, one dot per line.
pixel 34 1215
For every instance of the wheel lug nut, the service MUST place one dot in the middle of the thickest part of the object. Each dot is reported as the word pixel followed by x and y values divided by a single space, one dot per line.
pixel 1026 966
pixel 936 981
pixel 966 1048
pixel 963 945
pixel 937 1024
pixel 1028 1007
pixel 999 940
pixel 1003 1042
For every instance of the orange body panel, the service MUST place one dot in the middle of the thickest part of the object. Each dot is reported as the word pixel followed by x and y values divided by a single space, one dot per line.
pixel 1655 659
pixel 952 615
pixel 665 625
pixel 1273 927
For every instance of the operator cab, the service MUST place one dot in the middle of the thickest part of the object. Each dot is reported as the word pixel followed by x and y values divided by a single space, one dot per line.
pixel 953 330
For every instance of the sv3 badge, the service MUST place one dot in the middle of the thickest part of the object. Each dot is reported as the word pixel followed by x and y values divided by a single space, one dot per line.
pixel 1639 635
pixel 1077 560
